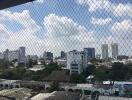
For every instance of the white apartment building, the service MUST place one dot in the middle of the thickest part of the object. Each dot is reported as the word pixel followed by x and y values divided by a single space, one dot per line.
pixel 75 61
pixel 76 67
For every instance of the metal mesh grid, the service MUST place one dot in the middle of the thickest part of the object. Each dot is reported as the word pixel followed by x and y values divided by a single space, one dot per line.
pixel 65 25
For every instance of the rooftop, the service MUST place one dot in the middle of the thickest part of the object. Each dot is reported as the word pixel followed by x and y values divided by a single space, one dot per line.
pixel 57 95
pixel 17 93
pixel 4 81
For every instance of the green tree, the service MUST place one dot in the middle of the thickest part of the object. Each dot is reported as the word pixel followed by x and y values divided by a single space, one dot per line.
pixel 16 73
pixel 51 67
pixel 102 74
pixel 77 78
pixel 54 87
pixel 90 70
pixel 29 63
pixel 4 64
pixel 119 72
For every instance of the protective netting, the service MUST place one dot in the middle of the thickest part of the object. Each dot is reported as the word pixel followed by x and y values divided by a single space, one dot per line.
pixel 67 25
pixel 87 37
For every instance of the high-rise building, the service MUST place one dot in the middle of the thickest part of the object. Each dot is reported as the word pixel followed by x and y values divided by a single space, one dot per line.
pixel 75 61
pixel 114 47
pixel 63 54
pixel 89 53
pixel 22 57
pixel 6 52
pixel 48 57
pixel 105 54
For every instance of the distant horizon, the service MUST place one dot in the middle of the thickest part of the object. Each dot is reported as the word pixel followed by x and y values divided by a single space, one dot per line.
pixel 110 52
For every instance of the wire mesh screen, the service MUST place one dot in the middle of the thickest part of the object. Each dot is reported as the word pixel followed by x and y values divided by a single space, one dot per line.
pixel 74 33
pixel 67 25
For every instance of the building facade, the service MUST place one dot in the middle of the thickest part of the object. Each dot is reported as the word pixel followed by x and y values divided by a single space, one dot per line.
pixel 75 67
pixel 1 55
pixel 75 61
pixel 18 55
pixel 48 57
pixel 13 55
pixel 22 57
pixel 114 48
pixel 63 55
pixel 89 53
pixel 5 53
pixel 33 57
pixel 105 53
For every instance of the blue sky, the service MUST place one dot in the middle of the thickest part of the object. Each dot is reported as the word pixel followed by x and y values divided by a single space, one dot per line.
pixel 68 8
pixel 98 22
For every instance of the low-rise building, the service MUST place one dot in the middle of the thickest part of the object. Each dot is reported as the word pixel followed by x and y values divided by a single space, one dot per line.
pixel 57 95
pixel 18 55
pixel 15 94
pixel 13 55
pixel 121 57
pixel 8 84
pixel 61 62
pixel 37 68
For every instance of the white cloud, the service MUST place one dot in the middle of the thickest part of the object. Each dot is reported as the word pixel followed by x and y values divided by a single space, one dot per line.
pixel 62 33
pixel 23 37
pixel 3 33
pixel 100 21
pixel 122 28
pixel 107 5
pixel 40 1
pixel 23 18
pixel 121 34
pixel 65 34
pixel 62 26
pixel 94 5
pixel 123 10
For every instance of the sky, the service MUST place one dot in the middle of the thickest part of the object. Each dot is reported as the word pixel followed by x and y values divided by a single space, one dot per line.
pixel 55 25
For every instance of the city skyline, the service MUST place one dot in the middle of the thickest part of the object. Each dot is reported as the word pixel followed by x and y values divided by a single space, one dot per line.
pixel 87 26
pixel 66 49
pixel 11 55
pixel 108 51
